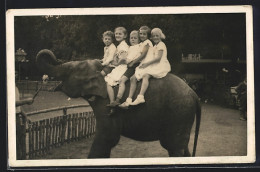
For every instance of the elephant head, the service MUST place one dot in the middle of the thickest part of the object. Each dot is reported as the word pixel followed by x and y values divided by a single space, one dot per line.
pixel 80 78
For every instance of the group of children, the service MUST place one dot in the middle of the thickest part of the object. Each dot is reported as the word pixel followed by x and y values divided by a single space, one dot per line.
pixel 141 61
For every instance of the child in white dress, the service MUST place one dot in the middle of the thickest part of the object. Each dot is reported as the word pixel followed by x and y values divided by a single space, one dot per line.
pixel 120 57
pixel 109 52
pixel 146 47
pixel 122 72
pixel 156 66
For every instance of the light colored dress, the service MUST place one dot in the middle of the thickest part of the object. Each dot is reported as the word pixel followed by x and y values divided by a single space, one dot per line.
pixel 109 53
pixel 122 47
pixel 157 70
pixel 113 78
pixel 149 52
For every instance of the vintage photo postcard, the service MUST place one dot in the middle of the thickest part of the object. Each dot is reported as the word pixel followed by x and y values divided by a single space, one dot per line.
pixel 130 86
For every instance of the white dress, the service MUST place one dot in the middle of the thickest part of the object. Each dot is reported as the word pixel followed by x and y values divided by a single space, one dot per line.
pixel 159 69
pixel 149 52
pixel 113 78
pixel 122 47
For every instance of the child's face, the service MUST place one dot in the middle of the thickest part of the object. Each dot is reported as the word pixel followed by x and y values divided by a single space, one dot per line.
pixel 107 40
pixel 134 39
pixel 143 35
pixel 156 37
pixel 119 35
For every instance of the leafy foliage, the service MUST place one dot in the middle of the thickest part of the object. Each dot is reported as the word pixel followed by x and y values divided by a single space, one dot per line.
pixel 70 37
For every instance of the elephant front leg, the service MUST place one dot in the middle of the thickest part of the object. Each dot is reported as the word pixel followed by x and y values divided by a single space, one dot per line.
pixel 102 145
pixel 99 149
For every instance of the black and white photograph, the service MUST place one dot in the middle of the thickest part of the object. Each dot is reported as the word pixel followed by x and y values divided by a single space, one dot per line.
pixel 130 86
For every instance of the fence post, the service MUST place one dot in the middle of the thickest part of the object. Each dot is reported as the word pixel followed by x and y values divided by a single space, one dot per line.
pixel 40 138
pixel 80 125
pixel 60 129
pixel 33 133
pixel 73 127
pixel 86 124
pixel 51 133
pixel 30 131
pixel 37 139
pixel 44 136
pixel 20 136
pixel 77 127
pixel 47 135
pixel 64 126
pixel 69 129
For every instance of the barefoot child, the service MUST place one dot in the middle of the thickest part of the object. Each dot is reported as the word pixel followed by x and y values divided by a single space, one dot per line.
pixel 157 66
pixel 146 47
pixel 109 52
pixel 119 61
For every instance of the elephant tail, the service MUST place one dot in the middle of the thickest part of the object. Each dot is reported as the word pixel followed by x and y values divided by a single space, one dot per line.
pixel 198 117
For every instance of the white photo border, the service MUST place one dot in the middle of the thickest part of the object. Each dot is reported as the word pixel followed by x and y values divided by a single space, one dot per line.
pixel 10 14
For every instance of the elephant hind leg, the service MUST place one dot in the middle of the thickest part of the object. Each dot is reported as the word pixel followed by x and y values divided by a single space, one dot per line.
pixel 176 146
pixel 187 152
pixel 179 152
pixel 176 153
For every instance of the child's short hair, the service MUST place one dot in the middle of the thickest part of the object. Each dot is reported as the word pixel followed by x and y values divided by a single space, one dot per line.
pixel 158 30
pixel 123 29
pixel 147 29
pixel 108 33
pixel 134 32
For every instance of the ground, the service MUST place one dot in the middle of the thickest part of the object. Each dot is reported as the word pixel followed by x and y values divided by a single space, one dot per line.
pixel 221 133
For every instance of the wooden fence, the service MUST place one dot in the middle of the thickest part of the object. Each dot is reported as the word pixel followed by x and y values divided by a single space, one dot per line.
pixel 42 136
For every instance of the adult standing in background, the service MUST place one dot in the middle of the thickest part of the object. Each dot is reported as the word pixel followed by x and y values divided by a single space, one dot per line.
pixel 242 97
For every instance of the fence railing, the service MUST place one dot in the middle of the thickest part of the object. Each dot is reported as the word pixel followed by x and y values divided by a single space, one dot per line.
pixel 26 86
pixel 42 136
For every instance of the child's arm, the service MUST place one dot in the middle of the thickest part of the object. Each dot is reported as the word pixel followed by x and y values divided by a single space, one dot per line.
pixel 115 60
pixel 155 60
pixel 119 58
pixel 122 61
pixel 23 102
pixel 141 57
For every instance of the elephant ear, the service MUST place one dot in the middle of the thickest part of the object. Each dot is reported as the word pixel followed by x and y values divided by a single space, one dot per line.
pixel 94 85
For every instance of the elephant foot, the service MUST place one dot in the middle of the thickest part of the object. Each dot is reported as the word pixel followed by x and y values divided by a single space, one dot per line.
pixel 179 153
pixel 176 153
pixel 99 154
pixel 187 152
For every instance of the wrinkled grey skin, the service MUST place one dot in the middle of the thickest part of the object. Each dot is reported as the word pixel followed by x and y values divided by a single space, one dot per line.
pixel 167 115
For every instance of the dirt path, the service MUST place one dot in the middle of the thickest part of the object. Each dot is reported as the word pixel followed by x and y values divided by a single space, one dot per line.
pixel 221 134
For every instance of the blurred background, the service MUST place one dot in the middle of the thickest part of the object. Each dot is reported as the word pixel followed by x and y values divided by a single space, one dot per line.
pixel 208 51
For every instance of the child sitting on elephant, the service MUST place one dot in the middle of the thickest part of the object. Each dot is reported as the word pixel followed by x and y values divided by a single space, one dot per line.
pixel 155 65
pixel 117 74
pixel 146 51
pixel 109 52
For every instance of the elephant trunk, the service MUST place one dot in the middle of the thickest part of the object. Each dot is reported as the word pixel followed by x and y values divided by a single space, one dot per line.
pixel 47 63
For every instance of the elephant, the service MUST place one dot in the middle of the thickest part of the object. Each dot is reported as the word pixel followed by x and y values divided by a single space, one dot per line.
pixel 167 115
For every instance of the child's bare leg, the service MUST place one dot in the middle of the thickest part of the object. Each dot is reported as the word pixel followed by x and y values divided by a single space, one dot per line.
pixel 110 93
pixel 121 91
pixel 145 84
pixel 121 87
pixel 133 82
pixel 128 101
